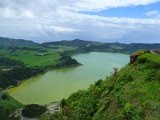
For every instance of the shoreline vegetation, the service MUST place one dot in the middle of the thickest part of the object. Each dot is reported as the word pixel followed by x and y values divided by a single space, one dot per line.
pixel 65 62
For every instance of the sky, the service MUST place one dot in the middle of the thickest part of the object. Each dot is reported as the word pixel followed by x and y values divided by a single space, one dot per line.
pixel 125 21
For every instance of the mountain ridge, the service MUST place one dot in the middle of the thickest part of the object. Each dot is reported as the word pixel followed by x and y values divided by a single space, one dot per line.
pixel 9 42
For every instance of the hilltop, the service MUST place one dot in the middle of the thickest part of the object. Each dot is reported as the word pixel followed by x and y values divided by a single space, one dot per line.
pixel 9 42
pixel 132 93
pixel 89 46
pixel 76 46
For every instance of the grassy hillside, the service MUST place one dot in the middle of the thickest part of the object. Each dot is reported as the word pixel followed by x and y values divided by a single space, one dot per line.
pixel 131 94
pixel 7 106
pixel 35 56
pixel 8 42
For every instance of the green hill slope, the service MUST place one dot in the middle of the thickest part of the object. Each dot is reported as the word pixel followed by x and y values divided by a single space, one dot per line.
pixel 8 42
pixel 88 46
pixel 132 94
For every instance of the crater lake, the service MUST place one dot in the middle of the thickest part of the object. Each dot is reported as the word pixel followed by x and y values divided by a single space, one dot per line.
pixel 57 84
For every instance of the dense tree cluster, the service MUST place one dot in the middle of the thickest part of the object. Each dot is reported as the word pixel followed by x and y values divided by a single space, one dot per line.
pixel 6 62
pixel 33 110
pixel 33 48
pixel 66 61
pixel 11 77
pixel 7 106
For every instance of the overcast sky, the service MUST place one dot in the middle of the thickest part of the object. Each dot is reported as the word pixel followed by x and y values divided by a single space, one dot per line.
pixel 126 21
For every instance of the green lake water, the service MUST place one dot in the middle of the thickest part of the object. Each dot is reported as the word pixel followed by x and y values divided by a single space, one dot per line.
pixel 57 84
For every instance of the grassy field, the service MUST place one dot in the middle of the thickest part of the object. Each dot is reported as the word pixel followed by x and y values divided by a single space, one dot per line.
pixel 35 57
pixel 40 61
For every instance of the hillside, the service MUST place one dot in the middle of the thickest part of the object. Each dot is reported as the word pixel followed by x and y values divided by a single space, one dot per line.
pixel 130 94
pixel 88 46
pixel 76 46
pixel 9 42
pixel 73 43
pixel 8 106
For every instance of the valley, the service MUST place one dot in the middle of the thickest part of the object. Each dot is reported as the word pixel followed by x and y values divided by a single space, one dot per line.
pixel 53 72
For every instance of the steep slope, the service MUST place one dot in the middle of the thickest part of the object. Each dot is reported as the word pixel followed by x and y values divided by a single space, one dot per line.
pixel 9 42
pixel 130 94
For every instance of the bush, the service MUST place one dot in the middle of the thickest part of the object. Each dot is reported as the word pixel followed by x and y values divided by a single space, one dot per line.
pixel 128 109
pixel 153 59
pixel 33 110
pixel 153 75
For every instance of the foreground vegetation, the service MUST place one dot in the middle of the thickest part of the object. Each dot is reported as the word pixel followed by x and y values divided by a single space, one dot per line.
pixel 130 94
pixel 7 106
pixel 33 110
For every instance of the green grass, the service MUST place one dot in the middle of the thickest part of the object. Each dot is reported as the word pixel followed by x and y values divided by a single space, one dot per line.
pixel 34 57
pixel 150 58
pixel 140 51
pixel 7 106
pixel 40 61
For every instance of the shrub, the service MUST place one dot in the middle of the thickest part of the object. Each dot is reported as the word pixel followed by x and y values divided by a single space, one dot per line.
pixel 33 110
pixel 150 58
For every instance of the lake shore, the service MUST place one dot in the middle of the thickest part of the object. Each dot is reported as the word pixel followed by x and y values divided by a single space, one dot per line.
pixel 61 83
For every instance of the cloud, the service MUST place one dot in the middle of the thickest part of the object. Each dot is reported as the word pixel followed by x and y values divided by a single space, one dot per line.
pixel 96 5
pixel 152 13
pixel 13 14
pixel 46 20
pixel 63 29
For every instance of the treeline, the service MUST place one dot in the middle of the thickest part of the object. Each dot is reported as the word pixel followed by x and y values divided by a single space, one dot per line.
pixel 33 48
pixel 11 77
pixel 18 71
pixel 6 62
pixel 66 61
pixel 33 110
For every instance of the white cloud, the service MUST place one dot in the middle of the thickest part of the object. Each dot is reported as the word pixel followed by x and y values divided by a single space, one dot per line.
pixel 13 14
pixel 43 20
pixel 63 29
pixel 152 13
pixel 94 5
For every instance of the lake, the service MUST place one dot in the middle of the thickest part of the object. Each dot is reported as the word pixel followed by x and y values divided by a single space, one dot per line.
pixel 58 84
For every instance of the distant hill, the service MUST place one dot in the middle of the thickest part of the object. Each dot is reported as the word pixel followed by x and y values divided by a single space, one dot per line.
pixel 9 42
pixel 82 45
pixel 88 46
pixel 74 43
